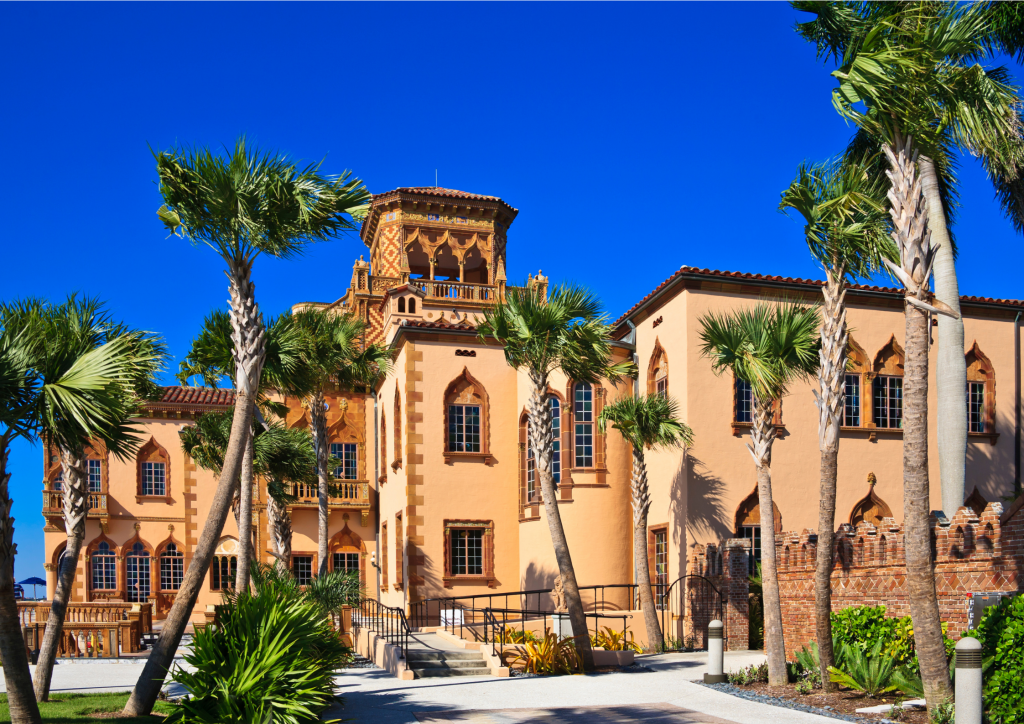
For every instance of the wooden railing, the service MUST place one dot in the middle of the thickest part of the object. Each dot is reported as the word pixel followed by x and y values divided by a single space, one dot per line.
pixel 352 494
pixel 103 639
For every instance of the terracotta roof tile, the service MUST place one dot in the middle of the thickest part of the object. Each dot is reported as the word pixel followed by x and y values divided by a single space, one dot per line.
pixel 438 191
pixel 196 397
pixel 439 325
pixel 741 276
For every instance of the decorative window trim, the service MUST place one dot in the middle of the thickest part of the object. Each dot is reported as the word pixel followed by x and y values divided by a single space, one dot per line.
pixel 859 364
pixel 383 448
pixel 449 579
pixel 869 502
pixel 658 363
pixel 980 369
pixel 399 553
pixel 126 550
pixel 384 555
pixel 397 431
pixel 652 532
pixel 348 541
pixel 160 549
pixel 451 393
pixel 103 594
pixel 153 452
pixel 745 510
pixel 227 547
pixel 569 436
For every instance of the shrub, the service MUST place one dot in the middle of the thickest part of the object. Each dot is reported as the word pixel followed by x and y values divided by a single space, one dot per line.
pixel 870 673
pixel 861 627
pixel 1001 633
pixel 610 640
pixel 549 656
pixel 512 636
pixel 270 659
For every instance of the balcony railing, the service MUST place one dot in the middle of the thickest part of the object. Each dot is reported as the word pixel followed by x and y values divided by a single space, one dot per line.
pixel 53 503
pixel 353 494
pixel 459 291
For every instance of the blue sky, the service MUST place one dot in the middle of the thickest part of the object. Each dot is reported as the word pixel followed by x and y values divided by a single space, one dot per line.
pixel 633 138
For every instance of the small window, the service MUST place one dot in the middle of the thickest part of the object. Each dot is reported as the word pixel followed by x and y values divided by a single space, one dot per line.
pixel 104 568
pixel 153 482
pixel 95 478
pixel 138 574
pixel 58 482
pixel 976 406
pixel 172 568
pixel 660 567
pixel 851 408
pixel 345 453
pixel 888 393
pixel 583 421
pixel 412 306
pixel 467 552
pixel 744 401
pixel 401 306
pixel 556 439
pixel 224 570
pixel 464 428
pixel 531 469
pixel 302 569
pixel 753 534
pixel 348 562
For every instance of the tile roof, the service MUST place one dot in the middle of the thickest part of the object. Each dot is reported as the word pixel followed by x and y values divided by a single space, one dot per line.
pixel 461 326
pixel 195 397
pixel 439 191
pixel 746 276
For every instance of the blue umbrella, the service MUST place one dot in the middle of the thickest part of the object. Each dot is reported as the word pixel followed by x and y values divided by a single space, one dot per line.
pixel 33 582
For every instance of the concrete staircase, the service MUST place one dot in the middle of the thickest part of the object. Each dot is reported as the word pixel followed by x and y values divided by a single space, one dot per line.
pixel 430 656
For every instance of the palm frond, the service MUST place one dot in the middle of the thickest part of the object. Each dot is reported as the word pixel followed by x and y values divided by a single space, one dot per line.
pixel 651 421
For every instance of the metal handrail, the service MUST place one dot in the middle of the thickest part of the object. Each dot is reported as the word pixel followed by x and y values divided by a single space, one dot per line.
pixel 387 621
pixel 494 632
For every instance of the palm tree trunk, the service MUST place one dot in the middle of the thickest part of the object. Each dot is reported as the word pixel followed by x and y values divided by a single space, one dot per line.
pixel 75 511
pixel 924 607
pixel 831 380
pixel 318 426
pixel 247 331
pixel 539 411
pixel 245 547
pixel 20 697
pixel 762 435
pixel 280 532
pixel 951 364
pixel 641 500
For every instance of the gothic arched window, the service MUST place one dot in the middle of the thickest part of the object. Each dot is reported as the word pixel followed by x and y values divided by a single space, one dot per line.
pixel 104 568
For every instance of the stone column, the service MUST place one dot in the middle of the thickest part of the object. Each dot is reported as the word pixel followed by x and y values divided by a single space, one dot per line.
pixel 51 580
pixel 736 593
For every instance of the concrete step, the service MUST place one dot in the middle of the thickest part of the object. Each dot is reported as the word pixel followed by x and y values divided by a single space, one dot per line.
pixel 420 655
pixel 439 672
pixel 451 664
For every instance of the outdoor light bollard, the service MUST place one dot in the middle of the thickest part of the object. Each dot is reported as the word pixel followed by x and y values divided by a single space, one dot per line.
pixel 716 654
pixel 968 681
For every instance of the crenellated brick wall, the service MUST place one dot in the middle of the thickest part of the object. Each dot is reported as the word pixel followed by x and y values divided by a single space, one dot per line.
pixel 973 554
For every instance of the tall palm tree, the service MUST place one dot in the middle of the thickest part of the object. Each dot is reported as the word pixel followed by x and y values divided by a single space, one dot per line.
pixel 240 204
pixel 77 331
pixel 334 356
pixel 646 423
pixel 911 69
pixel 20 342
pixel 211 359
pixel 843 204
pixel 768 346
pixel 283 456
pixel 566 331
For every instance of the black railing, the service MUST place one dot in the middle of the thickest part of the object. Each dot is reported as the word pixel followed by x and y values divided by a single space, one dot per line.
pixel 496 630
pixel 387 621
pixel 438 611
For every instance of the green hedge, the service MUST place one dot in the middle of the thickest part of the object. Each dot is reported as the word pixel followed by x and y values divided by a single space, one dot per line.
pixel 1001 633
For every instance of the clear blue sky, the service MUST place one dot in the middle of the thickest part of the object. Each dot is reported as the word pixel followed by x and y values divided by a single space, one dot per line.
pixel 634 138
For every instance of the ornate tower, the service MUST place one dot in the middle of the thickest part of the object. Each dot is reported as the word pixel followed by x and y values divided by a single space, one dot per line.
pixel 450 244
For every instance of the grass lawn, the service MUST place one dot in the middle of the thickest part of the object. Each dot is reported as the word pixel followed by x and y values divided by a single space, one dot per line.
pixel 76 708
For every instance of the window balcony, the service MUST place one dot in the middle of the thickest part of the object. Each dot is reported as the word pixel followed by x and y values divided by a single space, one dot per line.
pixel 53 504
pixel 353 494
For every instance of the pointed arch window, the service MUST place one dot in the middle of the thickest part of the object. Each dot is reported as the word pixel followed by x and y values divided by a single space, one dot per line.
pixel 153 471
pixel 853 384
pixel 172 568
pixel 657 371
pixel 887 387
pixel 383 446
pixel 94 471
pixel 104 568
pixel 466 415
pixel 138 573
pixel 583 425
pixel 981 393
pixel 397 423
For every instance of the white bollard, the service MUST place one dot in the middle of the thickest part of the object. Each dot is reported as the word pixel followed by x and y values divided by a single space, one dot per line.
pixel 968 681
pixel 716 654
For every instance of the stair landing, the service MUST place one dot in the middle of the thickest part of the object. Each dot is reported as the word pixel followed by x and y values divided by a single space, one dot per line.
pixel 430 656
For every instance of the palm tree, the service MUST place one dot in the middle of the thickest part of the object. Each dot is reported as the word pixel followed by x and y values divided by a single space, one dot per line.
pixel 843 204
pixel 914 66
pixel 211 359
pixel 73 333
pixel 768 346
pixel 282 456
pixel 241 204
pixel 333 356
pixel 645 423
pixel 566 331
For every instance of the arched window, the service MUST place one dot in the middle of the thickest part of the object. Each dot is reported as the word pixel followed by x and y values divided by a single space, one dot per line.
pixel 412 305
pixel 153 470
pixel 981 392
pixel 657 371
pixel 857 366
pixel 172 568
pixel 556 439
pixel 138 573
pixel 225 565
pixel 58 482
pixel 346 455
pixel 748 525
pixel 104 568
pixel 398 430
pixel 383 445
pixel 465 416
pixel 887 388
pixel 533 494
pixel 583 425
pixel 401 305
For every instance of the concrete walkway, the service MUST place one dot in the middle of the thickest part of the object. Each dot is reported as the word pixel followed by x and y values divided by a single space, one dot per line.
pixel 374 695
pixel 92 676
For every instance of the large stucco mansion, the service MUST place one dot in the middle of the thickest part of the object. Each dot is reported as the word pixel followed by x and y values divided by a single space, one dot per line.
pixel 439 496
